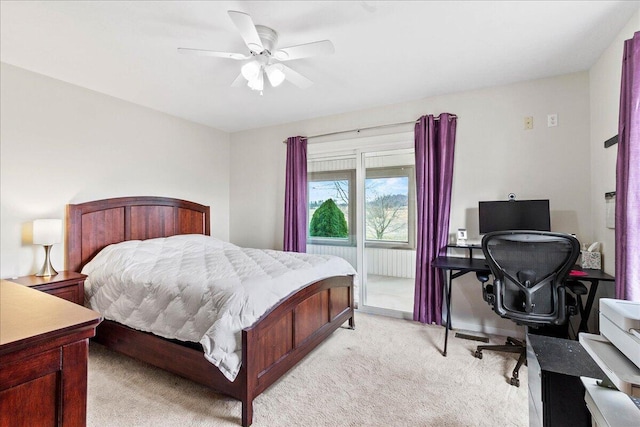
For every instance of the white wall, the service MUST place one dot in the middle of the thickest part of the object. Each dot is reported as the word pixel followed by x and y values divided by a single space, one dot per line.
pixel 494 156
pixel 60 144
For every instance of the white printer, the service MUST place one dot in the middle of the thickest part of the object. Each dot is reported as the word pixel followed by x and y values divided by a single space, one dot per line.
pixel 615 402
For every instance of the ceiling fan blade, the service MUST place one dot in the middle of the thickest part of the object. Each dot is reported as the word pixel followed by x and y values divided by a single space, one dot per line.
pixel 323 47
pixel 201 52
pixel 296 78
pixel 239 81
pixel 247 29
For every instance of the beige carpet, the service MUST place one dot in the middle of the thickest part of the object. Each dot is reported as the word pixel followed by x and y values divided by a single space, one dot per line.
pixel 388 372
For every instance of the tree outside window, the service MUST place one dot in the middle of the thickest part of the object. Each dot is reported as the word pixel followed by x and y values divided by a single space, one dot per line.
pixel 330 211
pixel 387 209
pixel 328 221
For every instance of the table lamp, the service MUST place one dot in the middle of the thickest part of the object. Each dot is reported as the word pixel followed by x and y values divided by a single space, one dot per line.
pixel 46 232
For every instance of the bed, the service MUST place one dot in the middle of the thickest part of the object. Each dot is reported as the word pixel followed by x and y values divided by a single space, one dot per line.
pixel 270 347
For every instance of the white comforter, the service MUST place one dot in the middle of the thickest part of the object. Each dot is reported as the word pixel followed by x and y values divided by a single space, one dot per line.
pixel 197 288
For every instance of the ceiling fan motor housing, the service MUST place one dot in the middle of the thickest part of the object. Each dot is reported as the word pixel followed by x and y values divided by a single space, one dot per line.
pixel 269 39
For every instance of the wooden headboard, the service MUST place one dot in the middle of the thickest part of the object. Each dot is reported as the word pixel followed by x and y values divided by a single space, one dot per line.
pixel 93 225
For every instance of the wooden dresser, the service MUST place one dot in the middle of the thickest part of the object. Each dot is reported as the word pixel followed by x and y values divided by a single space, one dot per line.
pixel 43 358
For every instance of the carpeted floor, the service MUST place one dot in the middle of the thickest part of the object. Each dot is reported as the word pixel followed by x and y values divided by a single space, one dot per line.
pixel 388 372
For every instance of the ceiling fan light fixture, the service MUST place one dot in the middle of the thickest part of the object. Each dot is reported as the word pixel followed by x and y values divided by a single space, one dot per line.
pixel 251 70
pixel 258 82
pixel 262 43
pixel 275 74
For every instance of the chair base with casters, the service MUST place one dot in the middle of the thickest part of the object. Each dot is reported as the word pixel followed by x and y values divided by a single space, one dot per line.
pixel 511 346
pixel 514 345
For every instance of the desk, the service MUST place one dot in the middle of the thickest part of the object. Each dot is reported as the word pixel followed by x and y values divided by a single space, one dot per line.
pixel 456 266
pixel 594 277
pixel 459 266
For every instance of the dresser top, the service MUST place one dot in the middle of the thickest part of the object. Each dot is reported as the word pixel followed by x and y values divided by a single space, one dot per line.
pixel 27 314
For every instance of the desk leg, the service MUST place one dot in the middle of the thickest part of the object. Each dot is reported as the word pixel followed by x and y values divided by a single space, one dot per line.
pixel 447 291
pixel 587 308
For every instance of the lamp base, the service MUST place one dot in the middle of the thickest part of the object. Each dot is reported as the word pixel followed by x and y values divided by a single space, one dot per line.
pixel 47 269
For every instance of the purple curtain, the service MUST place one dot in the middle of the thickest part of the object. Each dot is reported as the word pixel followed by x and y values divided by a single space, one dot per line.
pixel 295 196
pixel 434 147
pixel 628 176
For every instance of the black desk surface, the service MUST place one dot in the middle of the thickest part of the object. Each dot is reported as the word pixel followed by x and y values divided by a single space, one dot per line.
pixel 562 356
pixel 480 264
pixel 593 274
pixel 460 263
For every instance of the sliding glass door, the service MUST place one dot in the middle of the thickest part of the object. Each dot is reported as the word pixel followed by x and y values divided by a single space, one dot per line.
pixel 362 208
pixel 388 213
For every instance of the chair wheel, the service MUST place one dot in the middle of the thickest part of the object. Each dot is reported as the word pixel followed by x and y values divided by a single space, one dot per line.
pixel 478 354
pixel 515 382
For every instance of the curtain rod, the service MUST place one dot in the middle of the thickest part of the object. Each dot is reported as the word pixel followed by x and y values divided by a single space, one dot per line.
pixel 368 128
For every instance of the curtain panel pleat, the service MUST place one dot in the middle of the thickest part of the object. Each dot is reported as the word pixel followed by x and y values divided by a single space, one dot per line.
pixel 628 176
pixel 434 151
pixel 295 196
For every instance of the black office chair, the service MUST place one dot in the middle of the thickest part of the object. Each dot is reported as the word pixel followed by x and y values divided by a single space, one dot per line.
pixel 529 269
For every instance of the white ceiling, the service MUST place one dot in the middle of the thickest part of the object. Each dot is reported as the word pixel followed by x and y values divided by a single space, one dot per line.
pixel 386 52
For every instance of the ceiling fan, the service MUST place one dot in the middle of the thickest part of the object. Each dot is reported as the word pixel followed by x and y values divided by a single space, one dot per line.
pixel 264 58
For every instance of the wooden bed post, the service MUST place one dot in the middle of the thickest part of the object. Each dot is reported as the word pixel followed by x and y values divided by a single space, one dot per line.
pixel 352 319
pixel 248 377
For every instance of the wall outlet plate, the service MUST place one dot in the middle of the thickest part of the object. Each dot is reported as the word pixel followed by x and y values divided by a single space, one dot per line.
pixel 528 123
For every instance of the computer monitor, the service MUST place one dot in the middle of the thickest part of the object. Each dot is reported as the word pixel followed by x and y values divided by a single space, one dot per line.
pixel 514 215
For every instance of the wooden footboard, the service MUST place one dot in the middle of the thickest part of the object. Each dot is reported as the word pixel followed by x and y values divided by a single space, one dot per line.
pixel 288 332
pixel 272 346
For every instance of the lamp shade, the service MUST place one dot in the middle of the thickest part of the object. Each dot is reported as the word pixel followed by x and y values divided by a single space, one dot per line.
pixel 47 231
pixel 251 70
pixel 275 74
pixel 257 83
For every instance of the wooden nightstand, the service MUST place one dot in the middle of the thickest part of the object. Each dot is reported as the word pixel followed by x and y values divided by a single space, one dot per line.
pixel 67 285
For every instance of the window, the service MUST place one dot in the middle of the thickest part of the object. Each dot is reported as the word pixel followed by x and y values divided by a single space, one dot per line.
pixel 331 198
pixel 390 207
